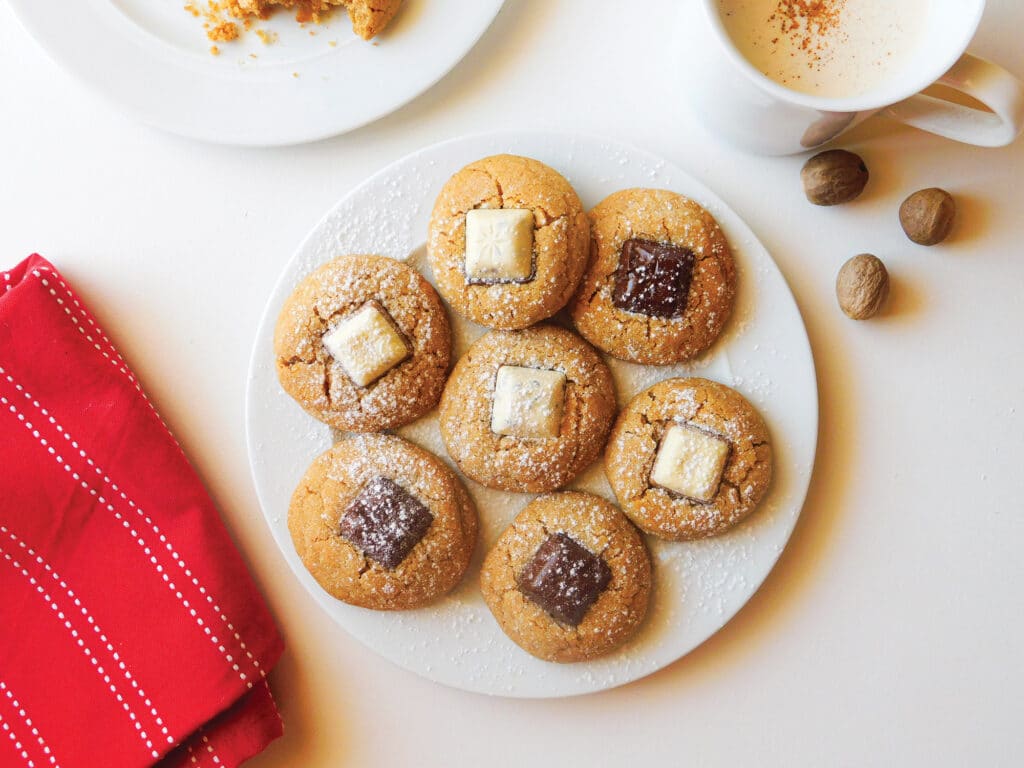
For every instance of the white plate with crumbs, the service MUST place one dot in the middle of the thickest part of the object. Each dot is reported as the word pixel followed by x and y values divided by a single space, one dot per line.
pixel 698 586
pixel 280 82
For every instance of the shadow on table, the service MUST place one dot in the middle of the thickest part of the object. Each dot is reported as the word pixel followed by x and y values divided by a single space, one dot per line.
pixel 813 540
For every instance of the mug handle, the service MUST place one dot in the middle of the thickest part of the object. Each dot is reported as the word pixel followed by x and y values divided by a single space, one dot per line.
pixel 990 84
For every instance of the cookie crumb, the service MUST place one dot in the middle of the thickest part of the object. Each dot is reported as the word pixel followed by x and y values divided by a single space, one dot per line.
pixel 223 32
pixel 267 38
pixel 214 50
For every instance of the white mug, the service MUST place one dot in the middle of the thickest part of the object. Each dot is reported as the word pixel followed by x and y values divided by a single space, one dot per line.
pixel 753 111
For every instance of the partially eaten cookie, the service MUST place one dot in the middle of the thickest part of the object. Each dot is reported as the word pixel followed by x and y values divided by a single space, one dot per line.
pixel 368 17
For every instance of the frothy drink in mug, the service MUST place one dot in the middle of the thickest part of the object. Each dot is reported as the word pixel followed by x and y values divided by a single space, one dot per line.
pixel 829 48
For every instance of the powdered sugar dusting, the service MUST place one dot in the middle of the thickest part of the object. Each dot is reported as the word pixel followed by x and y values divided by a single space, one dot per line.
pixel 697 585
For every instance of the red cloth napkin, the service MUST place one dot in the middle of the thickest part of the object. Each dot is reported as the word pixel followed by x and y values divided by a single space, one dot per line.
pixel 131 633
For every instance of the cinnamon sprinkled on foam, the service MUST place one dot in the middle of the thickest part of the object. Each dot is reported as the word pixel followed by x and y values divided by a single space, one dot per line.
pixel 805 22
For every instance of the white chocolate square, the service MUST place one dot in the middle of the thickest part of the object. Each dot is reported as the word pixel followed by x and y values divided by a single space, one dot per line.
pixel 690 462
pixel 527 402
pixel 499 245
pixel 367 344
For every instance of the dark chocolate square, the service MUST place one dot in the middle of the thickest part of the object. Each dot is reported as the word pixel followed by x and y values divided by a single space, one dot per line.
pixel 564 578
pixel 385 522
pixel 653 279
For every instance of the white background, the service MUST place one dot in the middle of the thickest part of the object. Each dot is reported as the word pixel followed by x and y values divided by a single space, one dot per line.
pixel 891 631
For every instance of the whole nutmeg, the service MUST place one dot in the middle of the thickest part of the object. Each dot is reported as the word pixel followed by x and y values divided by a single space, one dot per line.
pixel 862 286
pixel 927 215
pixel 833 177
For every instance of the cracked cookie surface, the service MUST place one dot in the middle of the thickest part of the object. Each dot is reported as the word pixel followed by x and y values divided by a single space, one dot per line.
pixel 706 405
pixel 532 465
pixel 311 375
pixel 561 239
pixel 603 530
pixel 434 565
pixel 670 219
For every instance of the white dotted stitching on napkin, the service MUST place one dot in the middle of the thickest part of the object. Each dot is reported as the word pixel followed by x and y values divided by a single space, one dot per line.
pixel 277 711
pixel 156 530
pixel 17 744
pixel 84 647
pixel 46 284
pixel 209 748
pixel 127 526
pixel 28 722
pixel 115 656
pixel 127 372
pixel 113 355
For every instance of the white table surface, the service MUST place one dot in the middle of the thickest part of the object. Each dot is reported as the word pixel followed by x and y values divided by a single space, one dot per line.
pixel 891 631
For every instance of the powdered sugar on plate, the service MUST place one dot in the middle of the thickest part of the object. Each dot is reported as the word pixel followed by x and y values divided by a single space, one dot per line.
pixel 698 586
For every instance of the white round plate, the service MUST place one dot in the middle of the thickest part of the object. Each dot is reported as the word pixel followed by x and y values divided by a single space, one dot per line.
pixel 153 58
pixel 700 585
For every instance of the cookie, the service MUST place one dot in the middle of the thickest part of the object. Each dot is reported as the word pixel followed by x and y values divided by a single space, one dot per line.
pixel 661 280
pixel 570 579
pixel 508 241
pixel 527 410
pixel 383 524
pixel 363 344
pixel 368 17
pixel 688 458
